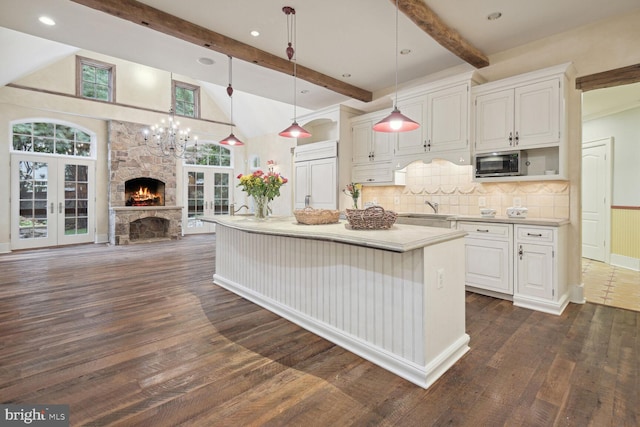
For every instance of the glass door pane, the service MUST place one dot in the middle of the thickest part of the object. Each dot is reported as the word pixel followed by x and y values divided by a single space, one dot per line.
pixel 32 224
pixel 195 199
pixel 76 201
pixel 221 193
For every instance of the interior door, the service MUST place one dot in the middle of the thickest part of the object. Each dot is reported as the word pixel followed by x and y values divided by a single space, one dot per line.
pixel 596 199
pixel 54 201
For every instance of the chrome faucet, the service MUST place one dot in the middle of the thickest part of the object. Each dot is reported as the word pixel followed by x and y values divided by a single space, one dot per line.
pixel 433 205
pixel 233 210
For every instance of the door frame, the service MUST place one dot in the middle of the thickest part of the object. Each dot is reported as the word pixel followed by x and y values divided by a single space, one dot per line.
pixel 55 201
pixel 608 144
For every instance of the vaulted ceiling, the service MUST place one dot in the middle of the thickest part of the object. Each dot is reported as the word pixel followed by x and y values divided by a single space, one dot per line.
pixel 345 49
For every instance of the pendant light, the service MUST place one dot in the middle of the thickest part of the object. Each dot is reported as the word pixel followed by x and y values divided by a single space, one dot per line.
pixel 396 121
pixel 231 139
pixel 295 130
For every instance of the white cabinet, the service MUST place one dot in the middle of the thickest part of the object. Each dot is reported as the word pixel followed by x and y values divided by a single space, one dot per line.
pixel 315 182
pixel 540 280
pixel 518 262
pixel 370 146
pixel 315 175
pixel 372 151
pixel 443 115
pixel 489 258
pixel 523 117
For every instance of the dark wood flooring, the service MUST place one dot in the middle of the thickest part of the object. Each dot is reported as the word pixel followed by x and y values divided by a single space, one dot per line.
pixel 140 336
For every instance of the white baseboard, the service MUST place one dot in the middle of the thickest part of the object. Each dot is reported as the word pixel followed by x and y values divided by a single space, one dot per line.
pixel 625 262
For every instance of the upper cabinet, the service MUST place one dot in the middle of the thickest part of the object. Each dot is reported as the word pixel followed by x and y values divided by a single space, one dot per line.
pixel 370 146
pixel 525 113
pixel 525 116
pixel 443 115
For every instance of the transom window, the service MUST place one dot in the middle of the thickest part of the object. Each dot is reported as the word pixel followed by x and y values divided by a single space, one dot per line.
pixel 95 79
pixel 51 138
pixel 186 99
pixel 211 155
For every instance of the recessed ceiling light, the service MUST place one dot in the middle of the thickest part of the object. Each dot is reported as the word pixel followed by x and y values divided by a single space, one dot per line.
pixel 493 16
pixel 255 33
pixel 206 61
pixel 405 51
pixel 47 21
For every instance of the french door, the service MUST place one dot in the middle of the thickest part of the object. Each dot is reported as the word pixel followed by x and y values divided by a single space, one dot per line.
pixel 207 195
pixel 52 201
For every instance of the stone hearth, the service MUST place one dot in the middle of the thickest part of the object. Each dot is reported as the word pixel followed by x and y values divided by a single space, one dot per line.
pixel 129 159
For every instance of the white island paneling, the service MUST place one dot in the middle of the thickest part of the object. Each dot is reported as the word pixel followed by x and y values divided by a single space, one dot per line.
pixel 401 309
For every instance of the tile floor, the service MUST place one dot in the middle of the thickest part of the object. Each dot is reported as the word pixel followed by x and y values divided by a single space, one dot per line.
pixel 610 285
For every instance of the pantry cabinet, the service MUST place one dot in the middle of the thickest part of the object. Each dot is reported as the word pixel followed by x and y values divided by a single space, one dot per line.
pixel 315 175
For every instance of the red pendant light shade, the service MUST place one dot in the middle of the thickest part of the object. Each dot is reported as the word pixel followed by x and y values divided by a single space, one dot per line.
pixel 295 131
pixel 231 140
pixel 395 122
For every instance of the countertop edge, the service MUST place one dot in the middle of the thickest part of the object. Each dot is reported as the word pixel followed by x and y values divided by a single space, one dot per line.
pixel 413 236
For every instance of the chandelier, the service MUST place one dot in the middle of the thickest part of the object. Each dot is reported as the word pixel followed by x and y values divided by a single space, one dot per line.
pixel 166 139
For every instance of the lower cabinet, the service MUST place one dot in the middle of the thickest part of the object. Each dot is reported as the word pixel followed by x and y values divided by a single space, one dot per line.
pixel 541 281
pixel 517 262
pixel 489 257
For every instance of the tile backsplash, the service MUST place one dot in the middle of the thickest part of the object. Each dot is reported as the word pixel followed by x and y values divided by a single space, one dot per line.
pixel 452 187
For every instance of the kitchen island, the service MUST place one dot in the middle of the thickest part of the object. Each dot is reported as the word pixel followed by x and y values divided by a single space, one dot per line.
pixel 395 297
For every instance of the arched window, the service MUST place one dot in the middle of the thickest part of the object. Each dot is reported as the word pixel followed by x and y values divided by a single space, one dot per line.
pixel 45 137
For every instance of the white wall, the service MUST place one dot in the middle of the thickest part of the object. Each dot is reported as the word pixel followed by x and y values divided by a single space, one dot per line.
pixel 624 127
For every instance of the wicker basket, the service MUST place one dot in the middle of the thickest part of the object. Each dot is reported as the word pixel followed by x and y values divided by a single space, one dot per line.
pixel 372 218
pixel 312 216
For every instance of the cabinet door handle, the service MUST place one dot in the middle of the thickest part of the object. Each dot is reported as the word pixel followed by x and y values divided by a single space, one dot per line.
pixel 53 209
pixel 424 145
pixel 482 231
pixel 534 234
pixel 520 252
pixel 60 207
pixel 517 138
pixel 510 138
pixel 429 146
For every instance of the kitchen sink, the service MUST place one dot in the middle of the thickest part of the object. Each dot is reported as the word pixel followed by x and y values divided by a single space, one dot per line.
pixel 426 220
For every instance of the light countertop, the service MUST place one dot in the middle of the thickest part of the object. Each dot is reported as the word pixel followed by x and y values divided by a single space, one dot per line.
pixel 548 222
pixel 399 238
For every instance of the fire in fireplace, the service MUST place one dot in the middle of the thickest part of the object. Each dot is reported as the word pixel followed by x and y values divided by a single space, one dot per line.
pixel 144 192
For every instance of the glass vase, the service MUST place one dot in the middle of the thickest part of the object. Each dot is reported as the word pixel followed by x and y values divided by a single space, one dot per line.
pixel 355 202
pixel 260 207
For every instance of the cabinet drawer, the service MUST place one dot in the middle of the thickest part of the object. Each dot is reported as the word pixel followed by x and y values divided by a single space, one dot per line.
pixel 485 229
pixel 534 234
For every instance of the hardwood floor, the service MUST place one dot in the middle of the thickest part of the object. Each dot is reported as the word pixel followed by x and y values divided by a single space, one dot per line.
pixel 140 336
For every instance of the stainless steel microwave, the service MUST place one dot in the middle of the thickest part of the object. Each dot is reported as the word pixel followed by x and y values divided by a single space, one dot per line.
pixel 508 163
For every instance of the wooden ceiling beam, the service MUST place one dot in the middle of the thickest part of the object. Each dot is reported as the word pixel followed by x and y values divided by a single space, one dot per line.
pixel 142 14
pixel 430 22
pixel 610 78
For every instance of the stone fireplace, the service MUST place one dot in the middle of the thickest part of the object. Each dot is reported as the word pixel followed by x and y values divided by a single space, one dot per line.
pixel 142 189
